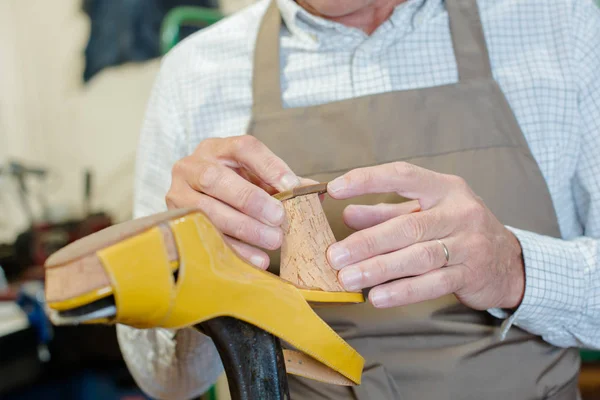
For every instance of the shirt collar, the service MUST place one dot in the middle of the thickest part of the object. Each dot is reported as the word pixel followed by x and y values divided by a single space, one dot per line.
pixel 307 26
pixel 300 22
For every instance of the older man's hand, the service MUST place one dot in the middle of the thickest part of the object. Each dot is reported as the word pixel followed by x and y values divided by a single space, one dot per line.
pixel 396 251
pixel 232 180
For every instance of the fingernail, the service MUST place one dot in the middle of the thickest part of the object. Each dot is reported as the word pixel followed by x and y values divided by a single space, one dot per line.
pixel 351 278
pixel 338 256
pixel 335 185
pixel 274 212
pixel 259 261
pixel 289 181
pixel 380 298
pixel 271 238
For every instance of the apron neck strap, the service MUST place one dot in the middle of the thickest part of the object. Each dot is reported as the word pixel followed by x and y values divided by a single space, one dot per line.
pixel 468 40
pixel 266 81
pixel 470 49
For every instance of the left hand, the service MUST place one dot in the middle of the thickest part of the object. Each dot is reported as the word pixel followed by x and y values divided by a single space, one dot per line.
pixel 395 250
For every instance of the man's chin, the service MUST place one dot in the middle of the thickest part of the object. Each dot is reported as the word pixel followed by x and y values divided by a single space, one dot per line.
pixel 334 9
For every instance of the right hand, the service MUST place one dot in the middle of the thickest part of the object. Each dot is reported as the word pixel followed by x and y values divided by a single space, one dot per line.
pixel 231 180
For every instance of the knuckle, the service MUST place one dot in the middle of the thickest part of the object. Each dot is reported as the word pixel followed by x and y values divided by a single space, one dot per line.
pixel 273 169
pixel 208 143
pixel 478 241
pixel 203 203
pixel 447 283
pixel 243 230
pixel 240 231
pixel 170 200
pixel 244 143
pixel 428 256
pixel 457 184
pixel 473 211
pixel 172 197
pixel 478 213
pixel 480 247
pixel 368 176
pixel 380 211
pixel 244 250
pixel 404 169
pixel 400 167
pixel 413 228
pixel 368 243
pixel 179 168
pixel 208 175
pixel 412 291
pixel 457 181
pixel 246 196
pixel 231 227
pixel 378 271
pixel 464 212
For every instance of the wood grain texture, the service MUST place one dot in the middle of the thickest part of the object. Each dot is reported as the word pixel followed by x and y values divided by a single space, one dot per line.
pixel 111 235
pixel 307 235
pixel 86 273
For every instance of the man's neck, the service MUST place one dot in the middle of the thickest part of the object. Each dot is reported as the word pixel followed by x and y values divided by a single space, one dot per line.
pixel 366 18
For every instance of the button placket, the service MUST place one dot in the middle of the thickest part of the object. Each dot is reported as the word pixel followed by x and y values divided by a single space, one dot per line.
pixel 368 73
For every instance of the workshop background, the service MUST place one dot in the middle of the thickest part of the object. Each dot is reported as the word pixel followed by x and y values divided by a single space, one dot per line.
pixel 75 76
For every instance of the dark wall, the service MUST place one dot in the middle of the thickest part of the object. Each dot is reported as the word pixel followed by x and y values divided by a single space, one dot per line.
pixel 125 31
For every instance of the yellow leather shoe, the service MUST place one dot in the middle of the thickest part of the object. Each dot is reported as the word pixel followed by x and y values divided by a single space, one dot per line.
pixel 174 270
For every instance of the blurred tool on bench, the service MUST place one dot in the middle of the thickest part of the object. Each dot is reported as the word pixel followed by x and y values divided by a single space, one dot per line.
pixel 45 233
pixel 35 357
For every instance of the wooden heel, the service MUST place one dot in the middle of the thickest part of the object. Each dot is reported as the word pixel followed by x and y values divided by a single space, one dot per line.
pixel 307 235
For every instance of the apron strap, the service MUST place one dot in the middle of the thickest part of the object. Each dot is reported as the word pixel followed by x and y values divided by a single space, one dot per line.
pixel 468 40
pixel 470 49
pixel 266 80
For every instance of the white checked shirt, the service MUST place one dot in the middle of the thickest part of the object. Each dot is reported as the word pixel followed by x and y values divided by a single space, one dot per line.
pixel 545 55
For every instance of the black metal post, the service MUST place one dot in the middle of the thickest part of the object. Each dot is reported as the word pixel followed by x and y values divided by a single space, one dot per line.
pixel 252 358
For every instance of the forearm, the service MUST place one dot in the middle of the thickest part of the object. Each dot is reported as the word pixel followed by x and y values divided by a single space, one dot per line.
pixel 561 302
pixel 169 364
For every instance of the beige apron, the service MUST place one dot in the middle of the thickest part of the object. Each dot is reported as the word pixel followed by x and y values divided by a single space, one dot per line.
pixel 437 349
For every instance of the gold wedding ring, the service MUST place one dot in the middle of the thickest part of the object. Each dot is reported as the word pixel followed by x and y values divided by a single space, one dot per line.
pixel 446 252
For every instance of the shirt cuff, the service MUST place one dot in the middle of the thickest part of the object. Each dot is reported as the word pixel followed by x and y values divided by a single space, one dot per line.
pixel 554 287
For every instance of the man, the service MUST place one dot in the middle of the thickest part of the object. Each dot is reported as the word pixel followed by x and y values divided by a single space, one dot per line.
pixel 466 135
